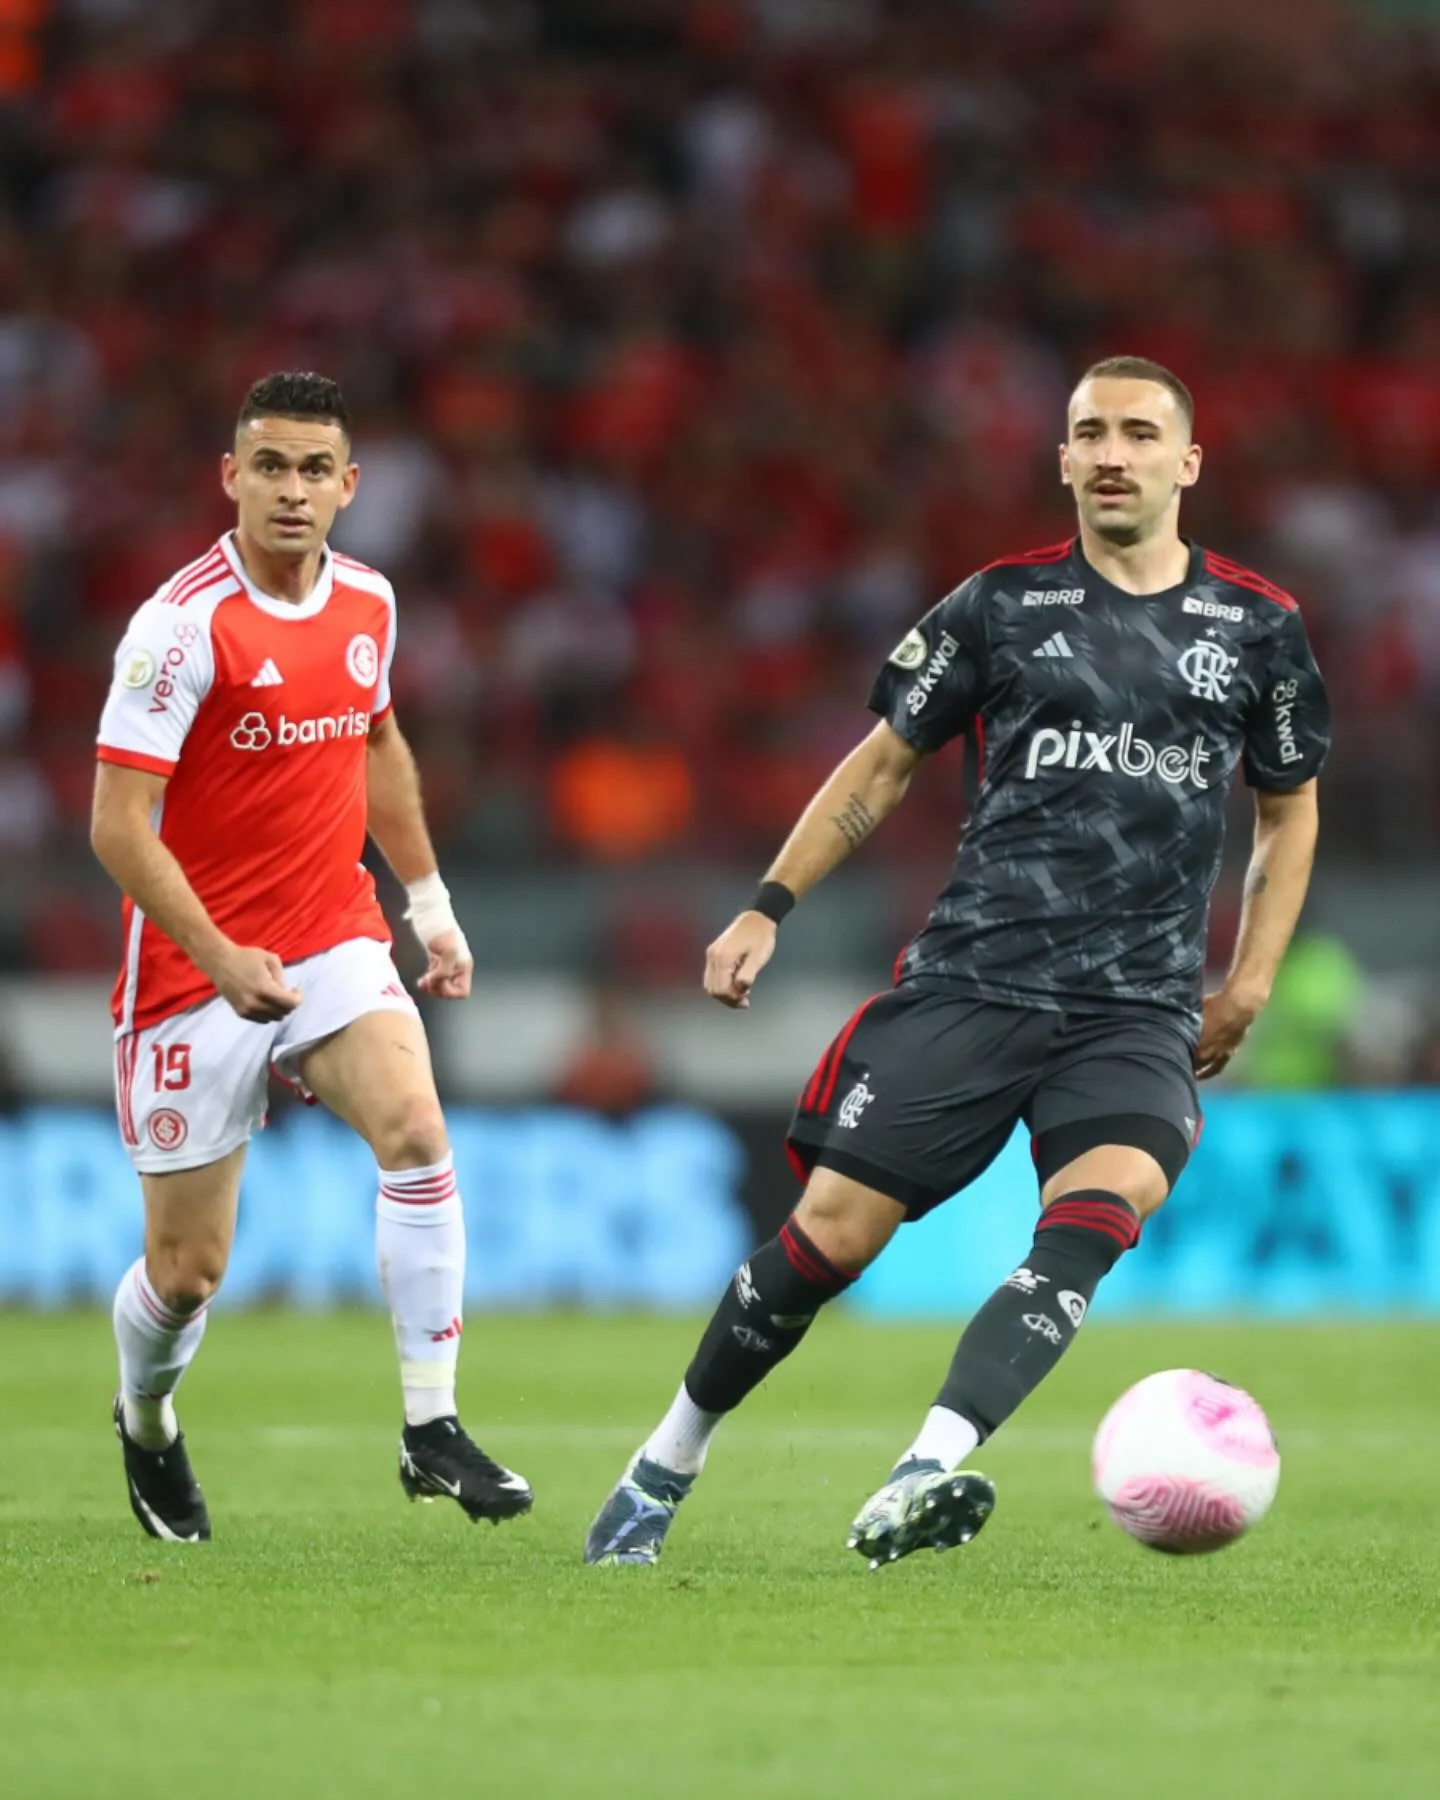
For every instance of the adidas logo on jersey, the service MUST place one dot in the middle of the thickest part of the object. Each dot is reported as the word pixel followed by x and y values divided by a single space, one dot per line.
pixel 1053 597
pixel 1054 646
pixel 1116 753
pixel 269 675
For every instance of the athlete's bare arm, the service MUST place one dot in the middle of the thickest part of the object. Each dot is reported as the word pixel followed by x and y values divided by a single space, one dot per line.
pixel 396 815
pixel 1286 826
pixel 396 820
pixel 864 789
pixel 123 836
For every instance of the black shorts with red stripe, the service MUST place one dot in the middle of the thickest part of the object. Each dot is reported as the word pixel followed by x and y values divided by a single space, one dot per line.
pixel 922 1089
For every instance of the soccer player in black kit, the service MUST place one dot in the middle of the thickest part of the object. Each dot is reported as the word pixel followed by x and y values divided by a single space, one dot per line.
pixel 1110 686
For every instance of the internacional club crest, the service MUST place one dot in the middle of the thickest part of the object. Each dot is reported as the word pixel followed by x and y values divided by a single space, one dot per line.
pixel 1209 669
pixel 168 1130
pixel 362 659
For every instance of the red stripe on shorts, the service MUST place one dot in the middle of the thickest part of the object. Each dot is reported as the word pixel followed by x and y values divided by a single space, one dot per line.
pixel 842 1043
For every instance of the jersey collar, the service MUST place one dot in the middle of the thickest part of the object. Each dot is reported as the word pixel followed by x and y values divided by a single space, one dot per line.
pixel 314 602
pixel 1195 572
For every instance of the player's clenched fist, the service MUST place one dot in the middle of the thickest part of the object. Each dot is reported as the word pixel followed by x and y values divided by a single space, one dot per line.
pixel 737 956
pixel 1227 1017
pixel 254 983
pixel 451 966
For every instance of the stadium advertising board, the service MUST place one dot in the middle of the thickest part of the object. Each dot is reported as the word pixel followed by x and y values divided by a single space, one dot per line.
pixel 1291 1206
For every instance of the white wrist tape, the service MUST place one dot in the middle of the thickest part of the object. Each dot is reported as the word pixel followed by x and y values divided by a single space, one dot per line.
pixel 431 913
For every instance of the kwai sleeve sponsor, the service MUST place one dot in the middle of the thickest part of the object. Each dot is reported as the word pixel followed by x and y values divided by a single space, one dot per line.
pixel 930 688
pixel 1287 732
pixel 163 670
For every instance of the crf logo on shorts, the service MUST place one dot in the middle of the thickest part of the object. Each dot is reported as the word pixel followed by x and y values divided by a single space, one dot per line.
pixel 854 1104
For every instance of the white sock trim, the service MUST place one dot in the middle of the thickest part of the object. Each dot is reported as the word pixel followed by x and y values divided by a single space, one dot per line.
pixel 160 1316
pixel 681 1441
pixel 945 1438
pixel 427 1196
pixel 420 1243
pixel 150 1419
pixel 156 1345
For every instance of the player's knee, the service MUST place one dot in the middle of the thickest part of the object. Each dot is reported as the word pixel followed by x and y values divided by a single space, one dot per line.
pixel 185 1276
pixel 1137 1175
pixel 414 1136
pixel 847 1223
pixel 1149 1199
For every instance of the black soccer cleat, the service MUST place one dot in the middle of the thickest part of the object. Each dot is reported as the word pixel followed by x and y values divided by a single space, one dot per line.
pixel 164 1494
pixel 439 1460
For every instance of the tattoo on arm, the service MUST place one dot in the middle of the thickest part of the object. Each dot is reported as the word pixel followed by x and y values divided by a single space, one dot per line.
pixel 854 821
pixel 1257 884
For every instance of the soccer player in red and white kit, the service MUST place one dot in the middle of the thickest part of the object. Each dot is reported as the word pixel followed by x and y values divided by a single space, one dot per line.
pixel 247 746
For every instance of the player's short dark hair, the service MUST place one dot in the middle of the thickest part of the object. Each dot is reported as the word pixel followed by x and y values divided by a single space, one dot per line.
pixel 1144 368
pixel 296 395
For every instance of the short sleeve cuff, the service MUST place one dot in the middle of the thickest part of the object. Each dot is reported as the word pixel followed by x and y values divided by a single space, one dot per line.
pixel 1267 783
pixel 134 759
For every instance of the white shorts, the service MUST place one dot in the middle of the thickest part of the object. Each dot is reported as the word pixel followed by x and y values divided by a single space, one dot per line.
pixel 193 1088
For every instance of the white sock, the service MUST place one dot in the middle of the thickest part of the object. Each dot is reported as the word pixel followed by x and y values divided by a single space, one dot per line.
pixel 682 1438
pixel 945 1438
pixel 156 1345
pixel 420 1247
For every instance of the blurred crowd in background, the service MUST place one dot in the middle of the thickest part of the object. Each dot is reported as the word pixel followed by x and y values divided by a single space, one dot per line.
pixel 696 347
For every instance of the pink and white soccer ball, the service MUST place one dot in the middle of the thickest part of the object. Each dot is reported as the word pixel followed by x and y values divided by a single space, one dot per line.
pixel 1185 1462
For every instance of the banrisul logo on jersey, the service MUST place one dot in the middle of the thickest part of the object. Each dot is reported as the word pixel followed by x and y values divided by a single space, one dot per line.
pixel 254 731
pixel 1119 752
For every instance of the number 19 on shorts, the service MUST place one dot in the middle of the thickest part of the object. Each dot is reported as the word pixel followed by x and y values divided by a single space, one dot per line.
pixel 172 1068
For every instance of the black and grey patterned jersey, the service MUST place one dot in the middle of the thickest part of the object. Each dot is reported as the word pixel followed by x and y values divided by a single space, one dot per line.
pixel 1108 727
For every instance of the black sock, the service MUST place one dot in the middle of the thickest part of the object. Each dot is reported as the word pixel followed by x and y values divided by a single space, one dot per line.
pixel 1027 1324
pixel 763 1315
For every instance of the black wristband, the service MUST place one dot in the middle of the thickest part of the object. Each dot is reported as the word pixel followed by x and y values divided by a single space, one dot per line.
pixel 773 899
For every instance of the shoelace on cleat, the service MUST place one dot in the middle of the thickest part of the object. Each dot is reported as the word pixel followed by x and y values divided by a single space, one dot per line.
pixel 462 1450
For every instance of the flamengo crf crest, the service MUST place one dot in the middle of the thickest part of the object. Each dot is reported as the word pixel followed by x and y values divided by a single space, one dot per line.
pixel 854 1104
pixel 1209 669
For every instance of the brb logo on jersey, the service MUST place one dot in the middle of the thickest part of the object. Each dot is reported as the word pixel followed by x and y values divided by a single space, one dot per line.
pixel 1209 669
pixel 253 731
pixel 1116 753
pixel 1213 609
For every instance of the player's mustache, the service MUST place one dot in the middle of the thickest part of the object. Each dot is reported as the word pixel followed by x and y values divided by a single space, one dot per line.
pixel 1115 481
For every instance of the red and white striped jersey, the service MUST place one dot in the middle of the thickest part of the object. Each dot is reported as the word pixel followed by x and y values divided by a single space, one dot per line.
pixel 258 712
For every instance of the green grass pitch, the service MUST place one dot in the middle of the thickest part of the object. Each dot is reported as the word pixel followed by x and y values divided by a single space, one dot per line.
pixel 334 1640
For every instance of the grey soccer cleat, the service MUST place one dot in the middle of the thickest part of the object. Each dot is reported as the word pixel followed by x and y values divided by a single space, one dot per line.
pixel 921 1507
pixel 630 1527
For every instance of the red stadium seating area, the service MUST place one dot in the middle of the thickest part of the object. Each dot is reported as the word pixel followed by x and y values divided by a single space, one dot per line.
pixel 695 347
